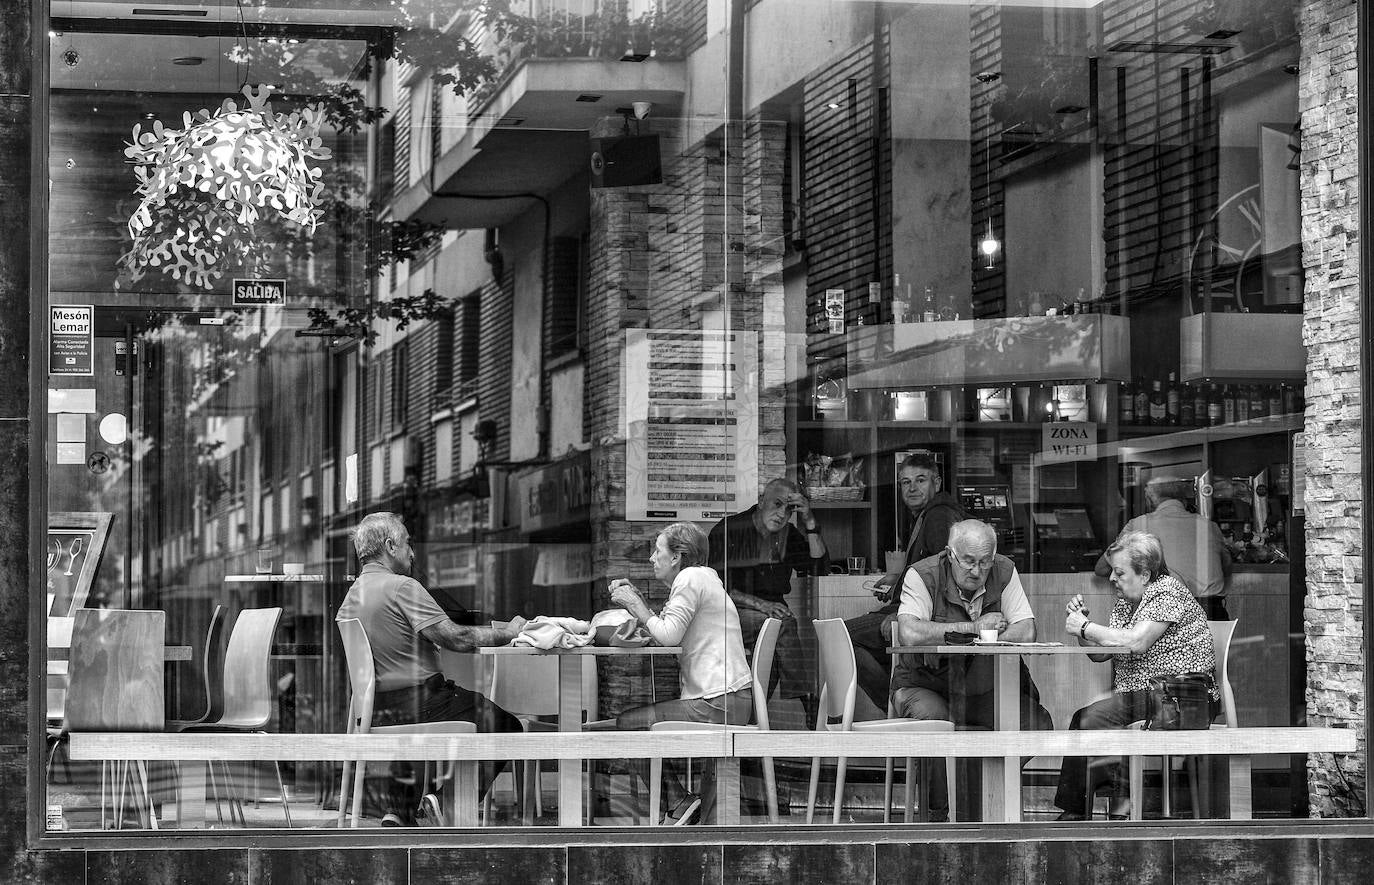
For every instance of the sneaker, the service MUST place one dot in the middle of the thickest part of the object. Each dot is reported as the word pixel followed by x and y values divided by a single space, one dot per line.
pixel 392 820
pixel 685 812
pixel 430 813
pixel 1070 815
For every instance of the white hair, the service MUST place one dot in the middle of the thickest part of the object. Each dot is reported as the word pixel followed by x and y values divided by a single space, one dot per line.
pixel 370 537
pixel 972 531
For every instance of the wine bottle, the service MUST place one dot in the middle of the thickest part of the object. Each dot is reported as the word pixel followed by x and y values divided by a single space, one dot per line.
pixel 1159 408
pixel 1242 404
pixel 1200 406
pixel 1289 396
pixel 1142 403
pixel 1215 412
pixel 1187 414
pixel 1228 405
pixel 928 311
pixel 1273 402
pixel 1259 403
pixel 1125 403
pixel 1172 407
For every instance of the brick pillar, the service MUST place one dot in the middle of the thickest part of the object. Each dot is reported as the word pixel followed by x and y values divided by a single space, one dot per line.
pixel 708 237
pixel 1333 617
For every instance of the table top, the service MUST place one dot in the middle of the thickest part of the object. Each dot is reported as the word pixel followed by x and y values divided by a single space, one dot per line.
pixel 1009 648
pixel 583 650
pixel 273 579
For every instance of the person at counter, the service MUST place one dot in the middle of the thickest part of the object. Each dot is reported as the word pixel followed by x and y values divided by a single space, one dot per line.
pixel 965 588
pixel 406 627
pixel 713 675
pixel 933 512
pixel 756 552
pixel 1193 545
pixel 1164 627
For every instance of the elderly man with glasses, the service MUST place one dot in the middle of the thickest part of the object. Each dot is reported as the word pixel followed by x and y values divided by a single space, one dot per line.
pixel 965 588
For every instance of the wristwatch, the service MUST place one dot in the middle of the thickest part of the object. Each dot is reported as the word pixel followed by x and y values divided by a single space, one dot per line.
pixel 1083 631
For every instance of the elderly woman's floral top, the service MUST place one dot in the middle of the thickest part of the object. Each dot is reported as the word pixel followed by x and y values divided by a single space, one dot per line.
pixel 1185 647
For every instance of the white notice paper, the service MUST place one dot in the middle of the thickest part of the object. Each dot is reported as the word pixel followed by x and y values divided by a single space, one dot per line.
pixel 691 423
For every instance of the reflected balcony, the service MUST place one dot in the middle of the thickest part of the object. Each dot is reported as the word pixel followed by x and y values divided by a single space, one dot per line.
pixel 526 129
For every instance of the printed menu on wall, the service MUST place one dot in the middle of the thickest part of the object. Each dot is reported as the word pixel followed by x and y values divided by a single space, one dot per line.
pixel 691 423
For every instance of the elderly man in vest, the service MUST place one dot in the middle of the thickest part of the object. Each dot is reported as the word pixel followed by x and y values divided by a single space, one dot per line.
pixel 965 588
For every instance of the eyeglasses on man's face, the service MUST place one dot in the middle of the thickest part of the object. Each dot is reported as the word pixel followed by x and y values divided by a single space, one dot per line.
pixel 969 563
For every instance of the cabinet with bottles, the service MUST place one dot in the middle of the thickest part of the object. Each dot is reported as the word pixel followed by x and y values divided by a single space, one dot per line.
pixel 1232 439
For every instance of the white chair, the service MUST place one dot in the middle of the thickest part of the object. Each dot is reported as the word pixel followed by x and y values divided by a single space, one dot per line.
pixel 762 671
pixel 527 687
pixel 248 692
pixel 1222 633
pixel 363 681
pixel 839 682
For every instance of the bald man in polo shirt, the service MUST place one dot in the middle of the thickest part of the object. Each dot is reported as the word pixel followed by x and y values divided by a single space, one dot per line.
pixel 965 588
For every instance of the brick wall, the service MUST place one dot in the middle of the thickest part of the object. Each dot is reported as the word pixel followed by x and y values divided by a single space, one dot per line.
pixel 707 239
pixel 1333 613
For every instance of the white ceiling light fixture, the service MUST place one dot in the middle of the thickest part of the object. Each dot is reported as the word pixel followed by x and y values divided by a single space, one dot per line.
pixel 203 187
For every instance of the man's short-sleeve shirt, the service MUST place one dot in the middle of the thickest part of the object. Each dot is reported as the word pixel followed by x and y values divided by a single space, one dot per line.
pixel 393 610
pixel 916 599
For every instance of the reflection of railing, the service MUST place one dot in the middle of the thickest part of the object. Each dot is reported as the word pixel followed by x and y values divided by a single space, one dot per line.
pixel 610 29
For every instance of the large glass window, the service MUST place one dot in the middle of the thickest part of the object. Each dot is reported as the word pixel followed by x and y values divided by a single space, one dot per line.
pixel 596 374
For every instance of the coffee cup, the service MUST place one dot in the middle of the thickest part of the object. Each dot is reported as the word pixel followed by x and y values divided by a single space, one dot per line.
pixel 989 635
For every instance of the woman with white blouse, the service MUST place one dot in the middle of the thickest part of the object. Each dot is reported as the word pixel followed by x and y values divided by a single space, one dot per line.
pixel 714 676
pixel 1158 619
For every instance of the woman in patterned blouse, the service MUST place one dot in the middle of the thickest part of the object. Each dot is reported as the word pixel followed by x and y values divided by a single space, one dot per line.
pixel 1158 619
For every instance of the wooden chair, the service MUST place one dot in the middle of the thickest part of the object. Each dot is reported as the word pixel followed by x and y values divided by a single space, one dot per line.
pixel 527 687
pixel 762 671
pixel 839 683
pixel 362 675
pixel 1222 633
pixel 247 693
pixel 115 684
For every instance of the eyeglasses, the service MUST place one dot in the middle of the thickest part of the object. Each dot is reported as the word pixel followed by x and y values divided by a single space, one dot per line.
pixel 968 563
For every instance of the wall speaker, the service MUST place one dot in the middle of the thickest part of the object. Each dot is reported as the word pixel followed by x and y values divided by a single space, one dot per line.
pixel 626 160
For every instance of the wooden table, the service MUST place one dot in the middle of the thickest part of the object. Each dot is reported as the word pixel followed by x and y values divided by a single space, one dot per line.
pixel 570 710
pixel 1001 799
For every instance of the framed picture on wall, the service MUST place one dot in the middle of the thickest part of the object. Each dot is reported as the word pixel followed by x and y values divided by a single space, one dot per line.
pixel 75 543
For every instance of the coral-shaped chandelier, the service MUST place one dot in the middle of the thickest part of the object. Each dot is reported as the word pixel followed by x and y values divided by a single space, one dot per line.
pixel 204 186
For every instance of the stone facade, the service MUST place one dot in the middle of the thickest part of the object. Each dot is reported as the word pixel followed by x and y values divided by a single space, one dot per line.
pixel 1333 612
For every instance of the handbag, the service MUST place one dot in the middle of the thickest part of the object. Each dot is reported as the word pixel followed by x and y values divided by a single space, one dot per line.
pixel 1182 702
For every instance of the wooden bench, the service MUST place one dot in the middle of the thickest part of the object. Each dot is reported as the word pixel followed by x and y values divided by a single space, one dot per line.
pixel 1238 743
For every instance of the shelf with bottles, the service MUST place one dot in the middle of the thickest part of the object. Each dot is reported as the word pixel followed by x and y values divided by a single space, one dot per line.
pixel 1170 408
pixel 1178 437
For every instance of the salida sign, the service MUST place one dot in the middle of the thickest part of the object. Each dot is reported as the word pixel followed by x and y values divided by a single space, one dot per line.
pixel 255 293
pixel 1068 441
pixel 71 340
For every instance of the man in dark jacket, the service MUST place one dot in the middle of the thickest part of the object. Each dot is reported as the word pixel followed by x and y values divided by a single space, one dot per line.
pixel 932 513
pixel 756 554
